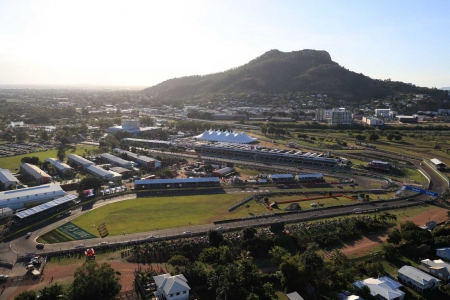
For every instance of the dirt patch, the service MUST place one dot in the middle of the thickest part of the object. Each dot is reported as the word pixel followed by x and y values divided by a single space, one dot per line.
pixel 436 214
pixel 64 276
pixel 363 246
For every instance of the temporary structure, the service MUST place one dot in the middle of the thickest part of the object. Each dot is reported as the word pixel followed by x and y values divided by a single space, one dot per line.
pixel 225 136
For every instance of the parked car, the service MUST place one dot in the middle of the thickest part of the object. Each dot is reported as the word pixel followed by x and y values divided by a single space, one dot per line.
pixel 79 246
pixel 187 232
pixel 220 228
pixel 151 237
pixel 357 209
pixel 4 277
pixel 103 243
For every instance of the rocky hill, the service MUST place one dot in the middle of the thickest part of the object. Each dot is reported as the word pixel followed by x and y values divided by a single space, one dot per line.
pixel 275 72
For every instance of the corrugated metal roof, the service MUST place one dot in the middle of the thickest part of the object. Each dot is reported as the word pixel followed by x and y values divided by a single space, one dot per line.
pixel 45 206
pixel 31 191
pixel 177 180
pixel 6 176
pixel 79 159
pixel 318 175
pixel 278 176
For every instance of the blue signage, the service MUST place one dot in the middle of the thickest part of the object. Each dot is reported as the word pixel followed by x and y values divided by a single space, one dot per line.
pixel 417 190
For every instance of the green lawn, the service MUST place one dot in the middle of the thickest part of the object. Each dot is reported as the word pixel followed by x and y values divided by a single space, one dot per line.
pixel 13 162
pixel 145 214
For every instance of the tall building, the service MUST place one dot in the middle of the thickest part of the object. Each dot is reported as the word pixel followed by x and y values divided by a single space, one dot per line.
pixel 341 118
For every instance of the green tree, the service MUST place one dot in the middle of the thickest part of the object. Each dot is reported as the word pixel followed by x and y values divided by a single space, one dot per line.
pixel 178 261
pixel 279 254
pixel 53 292
pixel 44 135
pixel 394 237
pixel 249 233
pixel 61 153
pixel 398 137
pixel 374 137
pixel 390 137
pixel 26 295
pixel 215 238
pixel 94 281
pixel 90 182
pixel 263 128
pixel 360 137
pixel 389 251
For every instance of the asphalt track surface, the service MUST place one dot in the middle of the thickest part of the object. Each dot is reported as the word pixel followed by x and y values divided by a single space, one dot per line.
pixel 21 245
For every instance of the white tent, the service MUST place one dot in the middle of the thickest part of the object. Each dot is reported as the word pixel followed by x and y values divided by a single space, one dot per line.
pixel 225 136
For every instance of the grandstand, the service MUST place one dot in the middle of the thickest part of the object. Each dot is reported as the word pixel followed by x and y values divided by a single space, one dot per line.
pixel 379 165
pixel 303 178
pixel 149 143
pixel 46 208
pixel 253 152
pixel 176 183
pixel 281 178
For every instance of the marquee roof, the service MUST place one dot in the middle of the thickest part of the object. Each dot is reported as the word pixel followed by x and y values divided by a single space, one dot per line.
pixel 225 136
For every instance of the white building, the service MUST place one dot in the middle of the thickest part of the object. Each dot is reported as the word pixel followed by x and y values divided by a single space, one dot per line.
pixel 7 179
pixel 438 268
pixel 61 167
pixel 131 126
pixel 385 113
pixel 372 121
pixel 323 114
pixel 421 281
pixel 78 160
pixel 443 253
pixel 341 118
pixel 117 161
pixel 171 287
pixel 5 212
pixel 225 136
pixel 16 199
pixel 103 174
pixel 382 287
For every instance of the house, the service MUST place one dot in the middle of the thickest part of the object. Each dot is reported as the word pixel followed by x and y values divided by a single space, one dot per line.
pixel 382 288
pixel 443 253
pixel 417 279
pixel 171 287
pixel 437 268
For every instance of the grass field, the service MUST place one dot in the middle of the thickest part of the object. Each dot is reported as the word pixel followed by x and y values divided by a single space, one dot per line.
pixel 13 162
pixel 153 213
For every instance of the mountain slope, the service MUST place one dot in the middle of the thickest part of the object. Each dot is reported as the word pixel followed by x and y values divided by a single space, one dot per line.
pixel 309 71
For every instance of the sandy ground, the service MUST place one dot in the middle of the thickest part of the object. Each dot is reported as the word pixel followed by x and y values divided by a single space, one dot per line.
pixel 363 246
pixel 64 275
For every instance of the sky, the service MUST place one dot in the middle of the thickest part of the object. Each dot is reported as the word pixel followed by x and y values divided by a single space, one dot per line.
pixel 142 43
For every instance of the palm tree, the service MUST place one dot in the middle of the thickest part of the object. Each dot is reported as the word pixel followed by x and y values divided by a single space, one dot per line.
pixel 338 258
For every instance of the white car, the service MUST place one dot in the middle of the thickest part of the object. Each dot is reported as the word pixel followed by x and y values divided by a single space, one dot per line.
pixel 220 228
pixel 357 209
pixel 79 246
pixel 4 277
pixel 187 232
pixel 28 234
pixel 102 243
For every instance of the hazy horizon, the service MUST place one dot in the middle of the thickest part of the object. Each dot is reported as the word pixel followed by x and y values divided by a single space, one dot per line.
pixel 142 43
